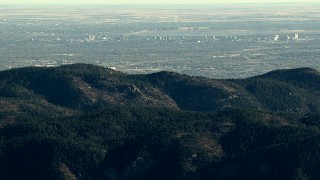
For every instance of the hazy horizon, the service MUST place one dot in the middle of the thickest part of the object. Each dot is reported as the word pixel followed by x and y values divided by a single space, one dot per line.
pixel 141 2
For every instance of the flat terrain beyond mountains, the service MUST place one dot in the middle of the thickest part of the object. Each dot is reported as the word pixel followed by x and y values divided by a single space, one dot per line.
pixel 83 121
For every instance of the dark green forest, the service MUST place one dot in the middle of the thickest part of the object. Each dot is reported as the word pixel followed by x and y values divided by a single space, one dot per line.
pixel 88 122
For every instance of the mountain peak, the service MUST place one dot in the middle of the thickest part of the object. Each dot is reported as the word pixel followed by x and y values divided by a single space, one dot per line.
pixel 304 71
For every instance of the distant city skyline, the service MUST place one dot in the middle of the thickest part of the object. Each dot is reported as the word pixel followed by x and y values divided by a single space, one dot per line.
pixel 23 2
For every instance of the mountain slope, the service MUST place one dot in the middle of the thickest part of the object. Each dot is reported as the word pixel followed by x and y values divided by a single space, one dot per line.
pixel 88 122
pixel 82 86
pixel 295 90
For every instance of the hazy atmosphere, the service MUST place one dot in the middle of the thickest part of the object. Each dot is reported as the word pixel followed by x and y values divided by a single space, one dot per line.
pixel 171 89
pixel 215 41
pixel 144 1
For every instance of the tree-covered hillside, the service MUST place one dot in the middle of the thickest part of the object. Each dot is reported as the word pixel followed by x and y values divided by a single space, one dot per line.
pixel 88 122
pixel 82 86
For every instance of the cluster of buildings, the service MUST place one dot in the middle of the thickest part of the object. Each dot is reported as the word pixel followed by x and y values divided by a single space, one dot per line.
pixel 91 38
pixel 194 38
pixel 295 37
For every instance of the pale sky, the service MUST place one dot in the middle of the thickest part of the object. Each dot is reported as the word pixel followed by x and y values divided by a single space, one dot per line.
pixel 27 2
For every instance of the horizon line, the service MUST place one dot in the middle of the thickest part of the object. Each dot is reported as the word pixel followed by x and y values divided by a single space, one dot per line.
pixel 157 3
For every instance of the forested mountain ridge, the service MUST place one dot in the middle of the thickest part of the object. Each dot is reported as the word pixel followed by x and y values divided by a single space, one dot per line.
pixel 87 122
pixel 82 86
